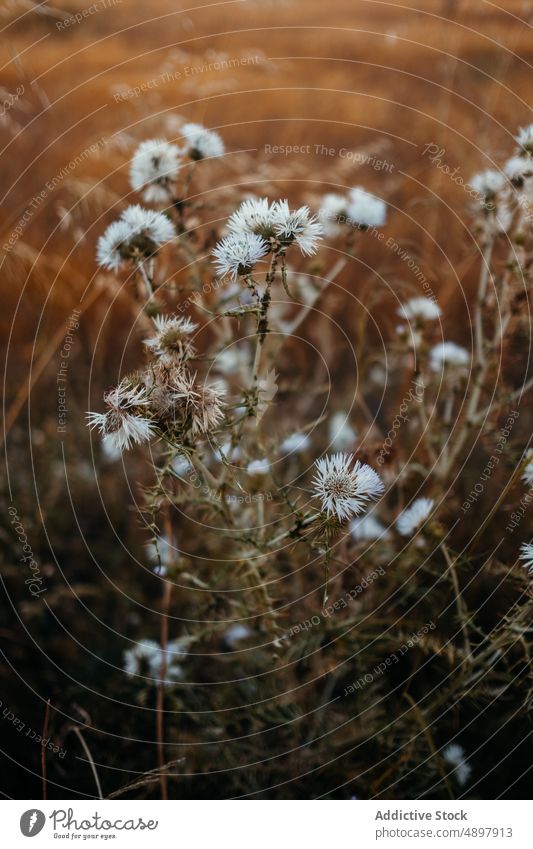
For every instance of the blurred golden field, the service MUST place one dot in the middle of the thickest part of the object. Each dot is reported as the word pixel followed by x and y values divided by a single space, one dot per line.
pixel 309 98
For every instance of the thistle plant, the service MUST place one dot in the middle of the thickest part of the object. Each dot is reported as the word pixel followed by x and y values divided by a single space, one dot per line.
pixel 265 501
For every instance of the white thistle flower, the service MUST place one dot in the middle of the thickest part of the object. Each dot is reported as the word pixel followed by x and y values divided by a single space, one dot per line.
pixel 258 467
pixel 163 553
pixel 524 138
pixel 238 253
pixel 527 556
pixel 365 210
pixel 527 474
pixel 296 443
pixel 172 337
pixel 341 433
pixel 149 656
pixel 236 633
pixel 344 488
pixel 154 168
pixel 136 235
pixel 448 354
pixel 420 309
pixel 149 223
pixel 487 184
pixel 332 213
pixel 254 215
pixel 413 517
pixel 367 528
pixel 201 142
pixel 455 756
pixel 122 425
pixel 518 169
pixel 297 225
pixel 181 465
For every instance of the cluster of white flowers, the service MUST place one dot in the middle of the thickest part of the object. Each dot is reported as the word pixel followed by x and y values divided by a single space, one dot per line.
pixel 258 227
pixel 146 658
pixel 412 518
pixel 345 487
pixel 136 236
pixel 358 209
pixel 156 162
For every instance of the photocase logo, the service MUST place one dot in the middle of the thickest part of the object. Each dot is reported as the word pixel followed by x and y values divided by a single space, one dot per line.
pixel 32 822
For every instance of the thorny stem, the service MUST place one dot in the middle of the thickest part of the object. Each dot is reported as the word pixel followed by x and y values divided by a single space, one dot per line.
pixel 461 607
pixel 148 281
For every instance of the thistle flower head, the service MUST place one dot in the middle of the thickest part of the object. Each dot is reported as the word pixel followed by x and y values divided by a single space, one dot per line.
pixel 147 657
pixel 518 169
pixel 253 216
pixel 341 434
pixel 526 555
pixel 420 310
pixel 172 337
pixel 154 168
pixel 487 184
pixel 295 443
pixel 450 355
pixel 135 236
pixel 365 210
pixel 258 467
pixel 202 143
pixel 238 253
pixel 527 474
pixel 413 517
pixel 193 408
pixel 124 423
pixel 367 528
pixel 455 756
pixel 343 486
pixel 333 213
pixel 524 139
pixel 298 226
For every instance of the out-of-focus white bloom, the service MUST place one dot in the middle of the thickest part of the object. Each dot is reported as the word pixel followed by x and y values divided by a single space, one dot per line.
pixel 524 138
pixel 238 253
pixel 366 528
pixel 147 657
pixel 333 208
pixel 123 425
pixel 154 168
pixel 109 251
pixel 455 756
pixel 181 465
pixel 518 169
pixel 258 467
pixel 487 184
pixel 136 235
pixel 420 309
pixel 345 489
pixel 296 225
pixel 365 210
pixel 172 337
pixel 448 354
pixel 341 433
pixel 236 633
pixel 413 517
pixel 527 474
pixel 201 142
pixel 254 215
pixel 527 556
pixel 230 360
pixel 149 223
pixel 295 443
